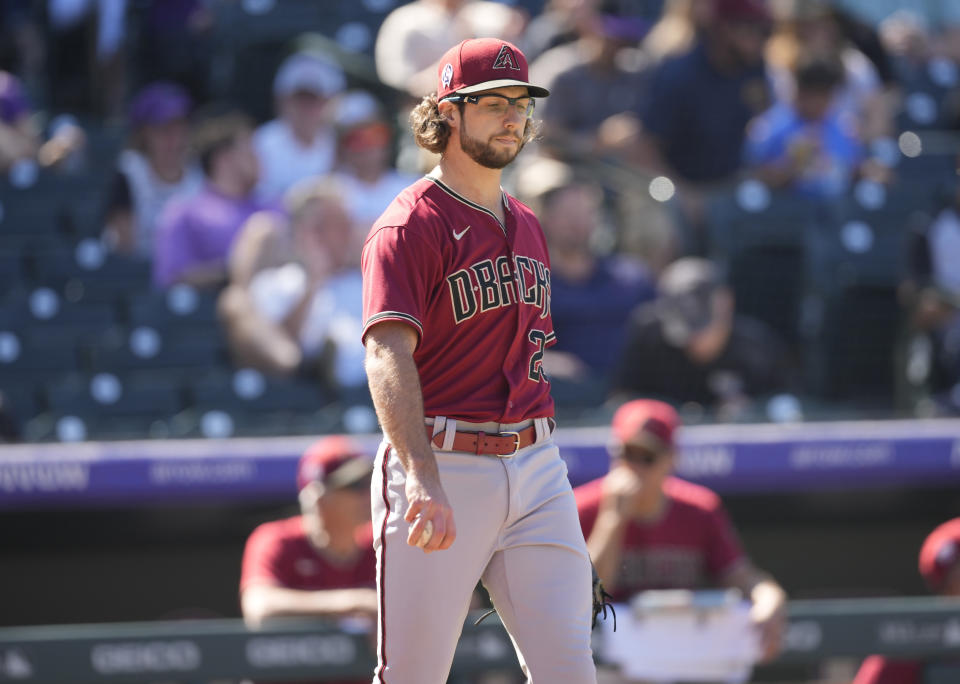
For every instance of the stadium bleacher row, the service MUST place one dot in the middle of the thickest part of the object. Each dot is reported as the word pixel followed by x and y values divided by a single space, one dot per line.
pixel 89 350
pixel 84 337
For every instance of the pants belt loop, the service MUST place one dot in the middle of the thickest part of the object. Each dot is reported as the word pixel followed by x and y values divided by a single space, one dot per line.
pixel 450 434
pixel 543 429
pixel 439 424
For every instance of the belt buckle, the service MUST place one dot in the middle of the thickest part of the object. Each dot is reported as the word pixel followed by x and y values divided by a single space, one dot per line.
pixel 516 447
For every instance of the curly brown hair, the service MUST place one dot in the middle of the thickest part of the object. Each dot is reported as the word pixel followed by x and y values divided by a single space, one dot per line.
pixel 431 130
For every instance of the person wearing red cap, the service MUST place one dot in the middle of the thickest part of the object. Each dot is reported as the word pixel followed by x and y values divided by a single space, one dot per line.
pixel 939 565
pixel 647 529
pixel 319 563
pixel 468 483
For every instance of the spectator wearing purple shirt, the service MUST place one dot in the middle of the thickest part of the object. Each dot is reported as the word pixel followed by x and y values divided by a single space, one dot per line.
pixel 194 235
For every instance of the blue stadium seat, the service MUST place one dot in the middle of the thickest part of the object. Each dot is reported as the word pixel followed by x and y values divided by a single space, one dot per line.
pixel 28 355
pixel 45 309
pixel 43 201
pixel 759 239
pixel 143 347
pixel 856 261
pixel 11 270
pixel 930 96
pixel 176 308
pixel 102 396
pixel 22 397
pixel 862 240
pixel 246 390
pixel 93 266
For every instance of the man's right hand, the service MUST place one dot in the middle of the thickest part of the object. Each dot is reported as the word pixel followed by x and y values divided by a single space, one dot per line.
pixel 427 502
pixel 621 492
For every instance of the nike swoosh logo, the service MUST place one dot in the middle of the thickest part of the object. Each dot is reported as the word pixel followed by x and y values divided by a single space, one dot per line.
pixel 457 236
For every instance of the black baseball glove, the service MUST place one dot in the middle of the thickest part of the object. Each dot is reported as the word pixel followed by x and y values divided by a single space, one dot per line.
pixel 601 600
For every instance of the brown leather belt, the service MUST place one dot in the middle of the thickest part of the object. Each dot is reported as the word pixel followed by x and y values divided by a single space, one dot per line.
pixel 491 444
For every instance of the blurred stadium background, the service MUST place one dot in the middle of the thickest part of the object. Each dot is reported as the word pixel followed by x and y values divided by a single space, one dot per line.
pixel 141 454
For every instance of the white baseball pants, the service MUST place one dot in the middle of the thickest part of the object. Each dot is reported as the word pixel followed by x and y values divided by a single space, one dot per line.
pixel 518 532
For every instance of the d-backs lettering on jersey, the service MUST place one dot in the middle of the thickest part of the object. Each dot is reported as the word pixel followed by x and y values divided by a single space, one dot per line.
pixel 477 293
pixel 489 284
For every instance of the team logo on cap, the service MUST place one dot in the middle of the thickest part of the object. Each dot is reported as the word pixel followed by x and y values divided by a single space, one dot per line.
pixel 506 59
pixel 447 75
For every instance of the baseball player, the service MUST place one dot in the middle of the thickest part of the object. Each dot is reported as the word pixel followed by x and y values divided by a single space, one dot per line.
pixel 319 563
pixel 647 529
pixel 468 484
pixel 939 565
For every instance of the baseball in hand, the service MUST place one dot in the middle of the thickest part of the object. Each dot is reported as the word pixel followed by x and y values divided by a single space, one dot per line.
pixel 426 534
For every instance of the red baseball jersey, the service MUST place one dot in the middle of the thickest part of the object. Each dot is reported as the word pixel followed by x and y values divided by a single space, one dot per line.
pixel 690 547
pixel 880 670
pixel 278 553
pixel 477 293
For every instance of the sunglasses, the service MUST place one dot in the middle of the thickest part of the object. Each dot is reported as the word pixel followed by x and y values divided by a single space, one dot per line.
pixel 361 485
pixel 496 104
pixel 641 456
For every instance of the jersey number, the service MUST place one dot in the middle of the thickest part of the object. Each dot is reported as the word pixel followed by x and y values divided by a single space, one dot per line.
pixel 540 339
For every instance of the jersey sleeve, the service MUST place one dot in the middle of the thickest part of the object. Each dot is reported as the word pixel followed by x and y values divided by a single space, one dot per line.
pixel 724 549
pixel 261 559
pixel 399 272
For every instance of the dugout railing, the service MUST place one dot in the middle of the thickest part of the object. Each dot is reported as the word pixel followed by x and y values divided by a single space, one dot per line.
pixel 206 650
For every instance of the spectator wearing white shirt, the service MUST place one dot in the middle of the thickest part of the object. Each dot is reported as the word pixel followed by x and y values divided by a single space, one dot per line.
pixel 415 35
pixel 154 168
pixel 301 141
pixel 294 300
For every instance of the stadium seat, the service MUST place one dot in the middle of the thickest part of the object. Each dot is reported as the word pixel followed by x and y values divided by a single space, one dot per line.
pixel 30 211
pixel 930 96
pixel 863 239
pixel 43 308
pixel 90 263
pixel 26 355
pixel 856 261
pixel 247 390
pixel 101 396
pixel 149 347
pixel 11 270
pixel 180 306
pixel 46 201
pixel 852 356
pixel 759 240
pixel 930 178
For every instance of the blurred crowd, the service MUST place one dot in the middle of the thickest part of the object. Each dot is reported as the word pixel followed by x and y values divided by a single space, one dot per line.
pixel 752 206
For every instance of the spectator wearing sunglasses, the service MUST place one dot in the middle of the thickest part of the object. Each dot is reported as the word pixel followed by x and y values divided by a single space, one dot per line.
pixel 647 529
pixel 320 563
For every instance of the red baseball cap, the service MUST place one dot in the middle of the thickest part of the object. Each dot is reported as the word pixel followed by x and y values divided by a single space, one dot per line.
pixel 647 423
pixel 940 552
pixel 334 462
pixel 482 64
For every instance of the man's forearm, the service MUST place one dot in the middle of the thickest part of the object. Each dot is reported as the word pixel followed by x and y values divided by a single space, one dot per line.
pixel 262 602
pixel 398 399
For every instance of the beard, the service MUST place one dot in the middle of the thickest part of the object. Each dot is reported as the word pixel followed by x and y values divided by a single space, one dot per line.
pixel 484 153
